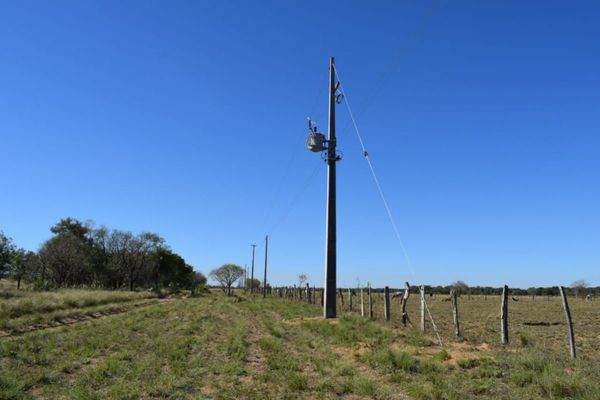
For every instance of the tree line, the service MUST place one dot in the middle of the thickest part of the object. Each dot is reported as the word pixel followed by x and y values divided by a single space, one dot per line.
pixel 81 255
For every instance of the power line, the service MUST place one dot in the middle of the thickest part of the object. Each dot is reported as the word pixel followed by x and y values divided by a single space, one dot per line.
pixel 374 175
pixel 298 146
pixel 409 41
pixel 296 197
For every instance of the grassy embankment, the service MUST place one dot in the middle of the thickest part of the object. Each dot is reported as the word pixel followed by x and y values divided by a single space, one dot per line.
pixel 236 348
pixel 23 310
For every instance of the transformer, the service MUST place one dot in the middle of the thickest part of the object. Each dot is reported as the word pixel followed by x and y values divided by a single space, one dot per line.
pixel 316 142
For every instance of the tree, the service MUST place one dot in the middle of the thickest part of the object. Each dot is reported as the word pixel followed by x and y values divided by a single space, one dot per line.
pixel 197 281
pixel 81 230
pixel 226 275
pixel 79 254
pixel 64 260
pixel 302 279
pixel 249 283
pixel 579 287
pixel 24 266
pixel 460 286
pixel 7 249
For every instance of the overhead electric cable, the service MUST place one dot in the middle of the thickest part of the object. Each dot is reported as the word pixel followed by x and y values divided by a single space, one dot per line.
pixel 374 175
pixel 407 44
pixel 297 197
pixel 277 193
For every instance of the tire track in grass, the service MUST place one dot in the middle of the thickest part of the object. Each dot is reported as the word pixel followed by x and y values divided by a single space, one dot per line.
pixel 74 319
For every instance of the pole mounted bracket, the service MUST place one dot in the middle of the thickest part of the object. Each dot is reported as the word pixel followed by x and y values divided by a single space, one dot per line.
pixel 337 157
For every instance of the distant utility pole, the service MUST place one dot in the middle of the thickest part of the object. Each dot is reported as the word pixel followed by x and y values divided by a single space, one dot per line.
pixel 252 276
pixel 265 278
pixel 316 142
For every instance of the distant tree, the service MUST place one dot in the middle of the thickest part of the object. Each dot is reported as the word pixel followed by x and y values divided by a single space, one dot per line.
pixel 197 281
pixel 79 254
pixel 142 250
pixel 460 286
pixel 302 279
pixel 226 275
pixel 579 287
pixel 99 257
pixel 250 283
pixel 80 230
pixel 24 266
pixel 65 261
pixel 7 249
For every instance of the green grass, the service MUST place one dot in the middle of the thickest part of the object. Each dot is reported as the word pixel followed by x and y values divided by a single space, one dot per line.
pixel 23 308
pixel 251 348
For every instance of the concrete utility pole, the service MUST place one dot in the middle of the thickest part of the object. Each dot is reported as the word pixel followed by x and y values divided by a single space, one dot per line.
pixel 265 278
pixel 252 276
pixel 329 308
pixel 317 143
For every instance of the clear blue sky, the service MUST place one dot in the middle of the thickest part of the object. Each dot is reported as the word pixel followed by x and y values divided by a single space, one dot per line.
pixel 188 118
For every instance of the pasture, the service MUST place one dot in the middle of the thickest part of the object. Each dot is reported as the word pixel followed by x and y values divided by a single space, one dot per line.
pixel 537 323
pixel 243 347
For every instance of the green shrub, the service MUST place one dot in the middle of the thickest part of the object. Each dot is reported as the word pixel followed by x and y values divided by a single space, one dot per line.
pixel 468 363
pixel 442 356
pixel 391 360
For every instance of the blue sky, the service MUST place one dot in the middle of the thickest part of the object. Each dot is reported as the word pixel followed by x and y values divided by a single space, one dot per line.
pixel 188 118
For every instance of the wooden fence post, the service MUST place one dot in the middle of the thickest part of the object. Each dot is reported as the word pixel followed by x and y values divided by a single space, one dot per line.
pixel 454 301
pixel 341 298
pixel 422 290
pixel 307 293
pixel 405 318
pixel 386 303
pixel 370 301
pixel 349 299
pixel 569 321
pixel 322 295
pixel 362 303
pixel 504 316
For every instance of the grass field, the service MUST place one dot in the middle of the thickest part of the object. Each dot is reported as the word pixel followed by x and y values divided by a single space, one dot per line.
pixel 23 310
pixel 252 348
pixel 538 324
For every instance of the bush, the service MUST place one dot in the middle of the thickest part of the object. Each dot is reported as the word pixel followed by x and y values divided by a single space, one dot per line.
pixel 468 363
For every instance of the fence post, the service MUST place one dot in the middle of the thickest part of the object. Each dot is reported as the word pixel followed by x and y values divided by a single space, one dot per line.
pixel 386 303
pixel 370 301
pixel 504 316
pixel 454 300
pixel 405 318
pixel 341 298
pixel 362 303
pixel 350 299
pixel 307 293
pixel 422 290
pixel 569 321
